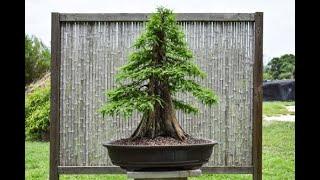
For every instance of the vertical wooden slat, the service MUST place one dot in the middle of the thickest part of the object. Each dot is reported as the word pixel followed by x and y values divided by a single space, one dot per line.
pixel 55 96
pixel 257 98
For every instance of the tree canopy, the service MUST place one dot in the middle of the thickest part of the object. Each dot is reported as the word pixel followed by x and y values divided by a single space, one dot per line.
pixel 37 59
pixel 280 67
pixel 160 54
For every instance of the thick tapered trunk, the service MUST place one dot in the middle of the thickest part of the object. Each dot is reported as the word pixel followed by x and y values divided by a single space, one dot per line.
pixel 162 121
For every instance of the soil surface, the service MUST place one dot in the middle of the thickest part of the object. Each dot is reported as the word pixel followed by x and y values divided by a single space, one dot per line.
pixel 44 81
pixel 160 141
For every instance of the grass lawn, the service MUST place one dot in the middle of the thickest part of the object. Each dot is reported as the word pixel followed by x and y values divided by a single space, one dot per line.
pixel 276 108
pixel 278 157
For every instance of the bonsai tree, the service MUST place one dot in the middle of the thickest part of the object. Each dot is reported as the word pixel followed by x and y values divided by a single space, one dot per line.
pixel 161 66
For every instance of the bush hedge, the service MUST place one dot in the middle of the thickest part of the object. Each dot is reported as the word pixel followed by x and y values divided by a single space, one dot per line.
pixel 37 110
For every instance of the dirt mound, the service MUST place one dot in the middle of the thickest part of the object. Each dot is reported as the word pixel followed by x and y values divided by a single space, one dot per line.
pixel 160 141
pixel 42 82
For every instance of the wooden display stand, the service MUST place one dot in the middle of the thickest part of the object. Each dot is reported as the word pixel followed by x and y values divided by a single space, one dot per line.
pixel 164 175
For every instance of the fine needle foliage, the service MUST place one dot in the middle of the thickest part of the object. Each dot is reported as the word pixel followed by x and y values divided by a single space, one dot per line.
pixel 161 66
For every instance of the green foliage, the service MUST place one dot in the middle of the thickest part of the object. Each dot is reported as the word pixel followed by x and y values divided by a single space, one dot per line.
pixel 162 38
pixel 281 68
pixel 37 109
pixel 267 76
pixel 37 59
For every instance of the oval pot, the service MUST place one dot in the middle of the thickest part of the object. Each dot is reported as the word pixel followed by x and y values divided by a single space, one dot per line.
pixel 159 158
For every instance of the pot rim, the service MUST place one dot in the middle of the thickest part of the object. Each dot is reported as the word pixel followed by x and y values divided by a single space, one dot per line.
pixel 108 144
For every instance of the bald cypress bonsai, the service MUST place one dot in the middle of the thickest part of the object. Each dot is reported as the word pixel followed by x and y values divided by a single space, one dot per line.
pixel 161 66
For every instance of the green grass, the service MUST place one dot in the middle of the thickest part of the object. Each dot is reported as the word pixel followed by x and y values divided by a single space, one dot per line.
pixel 276 108
pixel 278 150
pixel 278 158
pixel 37 160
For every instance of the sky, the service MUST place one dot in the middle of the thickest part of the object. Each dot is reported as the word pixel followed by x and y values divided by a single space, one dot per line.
pixel 278 30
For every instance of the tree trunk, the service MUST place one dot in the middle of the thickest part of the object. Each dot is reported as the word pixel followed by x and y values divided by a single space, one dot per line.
pixel 163 124
pixel 162 121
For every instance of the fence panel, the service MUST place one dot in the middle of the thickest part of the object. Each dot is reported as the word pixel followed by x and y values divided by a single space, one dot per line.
pixel 92 47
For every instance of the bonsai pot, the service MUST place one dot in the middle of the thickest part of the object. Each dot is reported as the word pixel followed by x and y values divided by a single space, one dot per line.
pixel 160 158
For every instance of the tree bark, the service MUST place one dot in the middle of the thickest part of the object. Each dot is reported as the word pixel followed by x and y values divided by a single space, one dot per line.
pixel 165 124
pixel 162 121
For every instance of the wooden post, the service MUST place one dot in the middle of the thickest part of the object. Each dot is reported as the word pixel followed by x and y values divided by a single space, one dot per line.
pixel 257 98
pixel 55 100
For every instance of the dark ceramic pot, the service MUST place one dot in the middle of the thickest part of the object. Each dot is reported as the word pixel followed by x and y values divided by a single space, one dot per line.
pixel 160 158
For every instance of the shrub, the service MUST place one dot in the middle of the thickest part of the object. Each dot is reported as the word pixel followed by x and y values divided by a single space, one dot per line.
pixel 37 110
pixel 37 59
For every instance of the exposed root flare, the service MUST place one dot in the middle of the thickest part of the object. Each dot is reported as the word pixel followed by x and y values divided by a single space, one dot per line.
pixel 151 128
pixel 178 130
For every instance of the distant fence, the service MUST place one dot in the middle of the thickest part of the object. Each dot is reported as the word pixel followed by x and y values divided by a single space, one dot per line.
pixel 279 90
pixel 87 49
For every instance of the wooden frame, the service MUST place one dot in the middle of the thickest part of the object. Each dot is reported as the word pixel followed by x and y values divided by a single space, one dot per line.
pixel 55 96
pixel 257 98
pixel 57 18
pixel 145 17
pixel 118 170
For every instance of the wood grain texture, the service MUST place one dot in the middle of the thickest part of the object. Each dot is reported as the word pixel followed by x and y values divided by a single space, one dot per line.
pixel 90 170
pixel 55 93
pixel 123 17
pixel 91 52
pixel 228 170
pixel 118 170
pixel 163 174
pixel 257 98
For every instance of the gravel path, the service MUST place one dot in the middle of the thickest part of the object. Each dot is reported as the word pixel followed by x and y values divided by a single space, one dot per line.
pixel 288 118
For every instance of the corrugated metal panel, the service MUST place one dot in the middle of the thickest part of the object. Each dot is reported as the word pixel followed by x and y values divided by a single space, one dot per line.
pixel 91 52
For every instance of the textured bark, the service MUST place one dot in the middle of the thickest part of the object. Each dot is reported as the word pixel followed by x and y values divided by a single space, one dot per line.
pixel 162 121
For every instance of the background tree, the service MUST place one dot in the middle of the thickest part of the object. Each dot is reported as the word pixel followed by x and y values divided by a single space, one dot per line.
pixel 267 76
pixel 37 59
pixel 161 66
pixel 281 67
